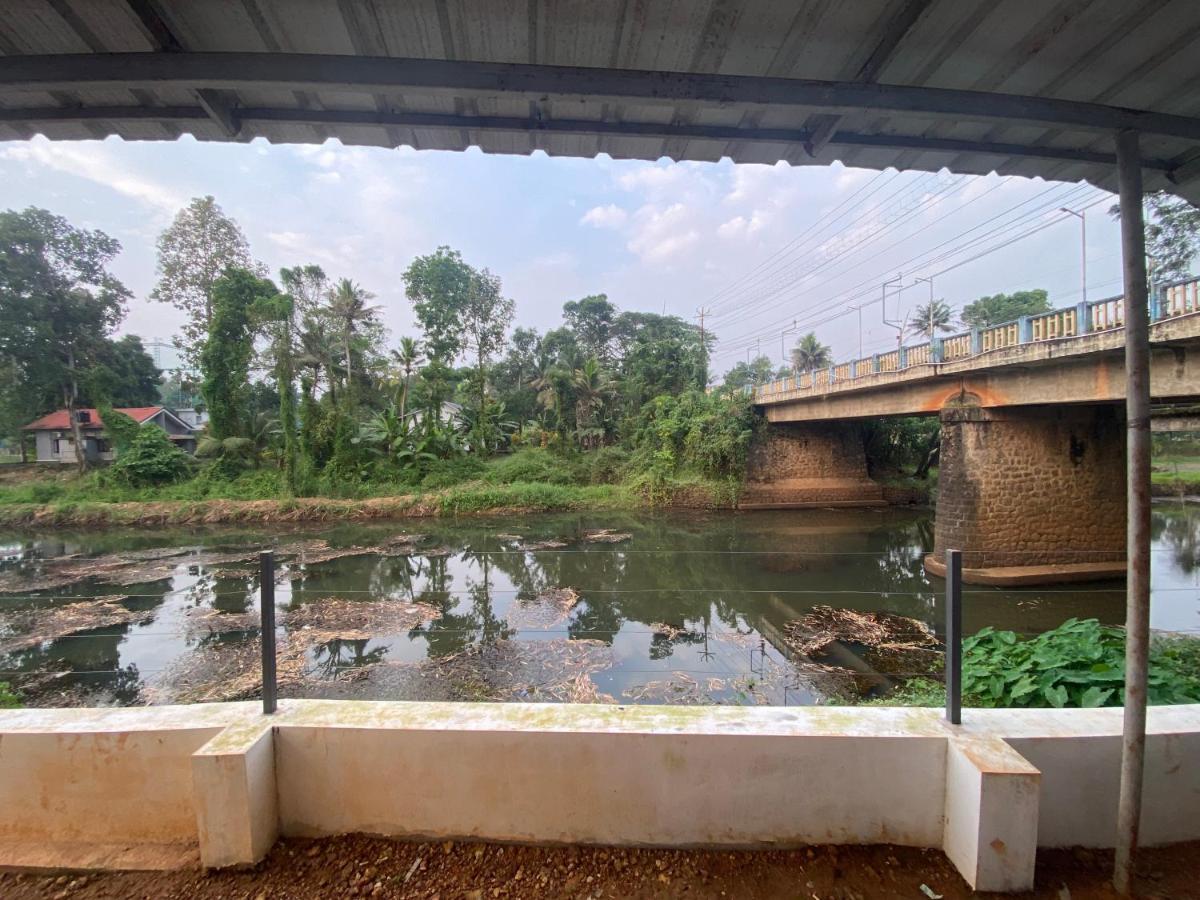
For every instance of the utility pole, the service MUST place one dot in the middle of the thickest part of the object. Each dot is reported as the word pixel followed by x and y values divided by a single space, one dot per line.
pixel 858 309
pixel 929 280
pixel 700 314
pixel 1082 216
pixel 899 326
pixel 1137 475
pixel 782 350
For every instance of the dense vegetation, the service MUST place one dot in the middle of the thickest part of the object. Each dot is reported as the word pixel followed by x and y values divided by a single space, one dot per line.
pixel 307 395
pixel 1081 663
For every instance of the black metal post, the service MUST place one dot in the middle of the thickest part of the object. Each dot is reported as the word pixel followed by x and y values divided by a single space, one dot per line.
pixel 954 637
pixel 266 602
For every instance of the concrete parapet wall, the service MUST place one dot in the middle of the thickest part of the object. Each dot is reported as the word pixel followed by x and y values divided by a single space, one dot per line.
pixel 222 781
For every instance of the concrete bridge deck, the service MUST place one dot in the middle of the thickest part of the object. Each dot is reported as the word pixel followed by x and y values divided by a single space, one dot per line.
pixel 1078 369
pixel 1031 482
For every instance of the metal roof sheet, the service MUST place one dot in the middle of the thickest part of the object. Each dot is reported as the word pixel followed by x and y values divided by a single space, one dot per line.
pixel 1142 56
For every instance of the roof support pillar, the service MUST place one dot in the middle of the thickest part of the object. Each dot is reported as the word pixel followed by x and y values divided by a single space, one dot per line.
pixel 1137 410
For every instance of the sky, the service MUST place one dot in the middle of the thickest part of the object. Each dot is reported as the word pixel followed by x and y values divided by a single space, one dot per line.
pixel 759 247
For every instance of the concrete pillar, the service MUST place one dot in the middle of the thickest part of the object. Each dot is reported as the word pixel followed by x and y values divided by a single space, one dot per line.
pixel 818 464
pixel 991 816
pixel 1031 494
pixel 235 796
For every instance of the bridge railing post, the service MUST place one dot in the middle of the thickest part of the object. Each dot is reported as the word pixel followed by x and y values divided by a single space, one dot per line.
pixel 875 363
pixel 954 637
pixel 901 357
pixel 937 351
pixel 976 341
pixel 1024 330
pixel 1083 317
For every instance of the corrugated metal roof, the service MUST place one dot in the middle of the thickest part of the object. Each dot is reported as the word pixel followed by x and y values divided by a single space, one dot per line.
pixel 1143 56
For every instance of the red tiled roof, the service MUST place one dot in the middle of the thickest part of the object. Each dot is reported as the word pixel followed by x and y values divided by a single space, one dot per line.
pixel 58 420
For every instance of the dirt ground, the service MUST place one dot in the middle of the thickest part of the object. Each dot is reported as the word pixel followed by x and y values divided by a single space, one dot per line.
pixel 358 866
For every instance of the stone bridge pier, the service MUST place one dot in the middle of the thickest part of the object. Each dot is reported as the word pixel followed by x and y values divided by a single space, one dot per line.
pixel 810 464
pixel 1031 495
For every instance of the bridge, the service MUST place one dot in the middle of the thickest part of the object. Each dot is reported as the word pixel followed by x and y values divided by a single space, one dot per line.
pixel 1032 465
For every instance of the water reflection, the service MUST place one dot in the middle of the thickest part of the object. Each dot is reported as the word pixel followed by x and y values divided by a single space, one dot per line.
pixel 692 608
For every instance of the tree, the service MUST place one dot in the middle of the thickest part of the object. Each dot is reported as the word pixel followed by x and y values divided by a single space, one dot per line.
pixel 594 387
pixel 999 308
pixel 279 311
pixel 58 303
pixel 485 320
pixel 1172 235
pixel 927 324
pixel 746 375
pixel 439 287
pixel 307 286
pixel 349 307
pixel 408 358
pixel 225 356
pixel 592 320
pixel 199 245
pixel 124 374
pixel 810 354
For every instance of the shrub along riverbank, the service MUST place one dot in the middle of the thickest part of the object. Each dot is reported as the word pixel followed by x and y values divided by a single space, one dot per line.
pixel 530 480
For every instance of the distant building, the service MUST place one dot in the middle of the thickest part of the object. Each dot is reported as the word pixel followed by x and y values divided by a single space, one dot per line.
pixel 55 442
pixel 195 419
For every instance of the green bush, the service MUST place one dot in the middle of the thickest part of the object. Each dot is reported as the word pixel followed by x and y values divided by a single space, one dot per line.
pixel 151 458
pixel 707 433
pixel 534 466
pixel 444 473
pixel 606 465
pixel 1080 663
pixel 8 700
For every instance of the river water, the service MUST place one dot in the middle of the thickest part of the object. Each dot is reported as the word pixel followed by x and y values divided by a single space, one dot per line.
pixel 677 608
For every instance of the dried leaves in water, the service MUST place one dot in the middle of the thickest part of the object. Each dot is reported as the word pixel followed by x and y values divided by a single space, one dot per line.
pixel 543 545
pixel 334 618
pixel 549 608
pixel 606 536
pixel 28 628
pixel 880 630
pixel 227 670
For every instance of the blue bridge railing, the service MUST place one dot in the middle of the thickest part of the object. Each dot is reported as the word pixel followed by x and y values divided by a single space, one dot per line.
pixel 1175 298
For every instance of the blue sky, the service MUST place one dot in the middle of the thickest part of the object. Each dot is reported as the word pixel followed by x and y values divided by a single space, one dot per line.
pixel 650 235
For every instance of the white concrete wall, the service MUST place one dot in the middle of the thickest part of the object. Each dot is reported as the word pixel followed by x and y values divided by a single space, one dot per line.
pixel 226 780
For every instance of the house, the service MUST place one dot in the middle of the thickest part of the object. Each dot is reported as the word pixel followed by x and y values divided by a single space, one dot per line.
pixel 55 443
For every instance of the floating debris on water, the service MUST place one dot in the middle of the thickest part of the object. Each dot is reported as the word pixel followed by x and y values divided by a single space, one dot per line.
pixel 549 608
pixel 28 628
pixel 879 630
pixel 606 536
pixel 356 619
pixel 551 544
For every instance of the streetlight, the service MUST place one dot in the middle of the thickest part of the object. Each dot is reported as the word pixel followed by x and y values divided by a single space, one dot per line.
pixel 782 350
pixel 1081 215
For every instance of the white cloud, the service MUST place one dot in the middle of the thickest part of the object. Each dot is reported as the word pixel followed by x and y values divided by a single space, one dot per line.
pixel 660 234
pixel 610 216
pixel 92 161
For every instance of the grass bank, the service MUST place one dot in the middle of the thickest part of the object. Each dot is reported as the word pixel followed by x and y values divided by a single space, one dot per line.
pixel 526 482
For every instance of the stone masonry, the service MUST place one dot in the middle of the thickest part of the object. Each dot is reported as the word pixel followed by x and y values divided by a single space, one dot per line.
pixel 1031 486
pixel 795 466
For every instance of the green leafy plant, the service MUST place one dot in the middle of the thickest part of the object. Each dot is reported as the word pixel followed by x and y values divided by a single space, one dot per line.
pixel 8 700
pixel 151 458
pixel 1080 664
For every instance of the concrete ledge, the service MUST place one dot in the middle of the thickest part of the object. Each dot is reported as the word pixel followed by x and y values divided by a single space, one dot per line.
pixel 234 784
pixel 990 830
pixel 138 788
pixel 1019 576
pixel 813 504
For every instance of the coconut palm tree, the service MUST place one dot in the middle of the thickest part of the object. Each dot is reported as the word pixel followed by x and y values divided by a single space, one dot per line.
pixel 593 388
pixel 408 358
pixel 350 309
pixel 810 354
pixel 929 323
pixel 547 380
pixel 319 352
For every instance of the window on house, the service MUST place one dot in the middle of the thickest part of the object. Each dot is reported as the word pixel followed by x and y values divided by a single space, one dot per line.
pixel 102 446
pixel 84 416
pixel 56 446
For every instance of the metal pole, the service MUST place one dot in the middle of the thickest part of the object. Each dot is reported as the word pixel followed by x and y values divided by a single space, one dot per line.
pixel 1083 252
pixel 1137 414
pixel 954 637
pixel 266 603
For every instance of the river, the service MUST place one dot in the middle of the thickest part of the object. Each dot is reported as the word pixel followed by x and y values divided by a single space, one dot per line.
pixel 656 608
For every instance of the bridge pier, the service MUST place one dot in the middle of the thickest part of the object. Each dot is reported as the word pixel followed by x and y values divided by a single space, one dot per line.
pixel 805 465
pixel 1031 495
